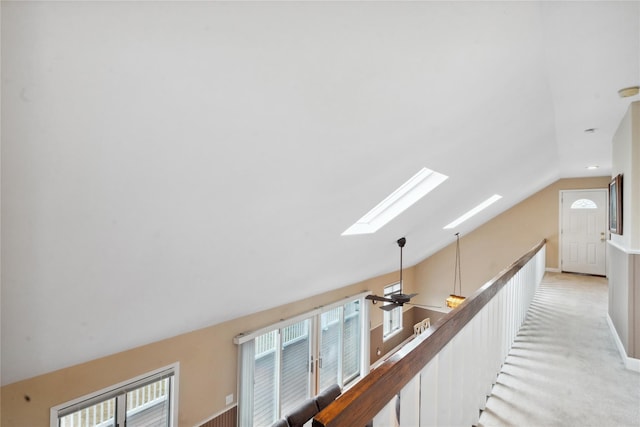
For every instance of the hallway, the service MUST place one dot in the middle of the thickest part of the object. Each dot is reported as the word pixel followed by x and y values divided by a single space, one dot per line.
pixel 564 368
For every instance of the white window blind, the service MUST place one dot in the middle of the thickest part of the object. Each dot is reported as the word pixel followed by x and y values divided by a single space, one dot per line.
pixel 352 341
pixel 295 365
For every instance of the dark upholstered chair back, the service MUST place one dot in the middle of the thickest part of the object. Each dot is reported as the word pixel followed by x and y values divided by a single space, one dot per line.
pixel 327 396
pixel 280 423
pixel 302 413
pixel 309 408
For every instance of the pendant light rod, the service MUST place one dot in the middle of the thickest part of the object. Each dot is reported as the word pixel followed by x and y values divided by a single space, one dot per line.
pixel 401 242
pixel 457 279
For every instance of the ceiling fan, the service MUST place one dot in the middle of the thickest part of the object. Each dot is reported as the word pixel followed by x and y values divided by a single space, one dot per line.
pixel 397 300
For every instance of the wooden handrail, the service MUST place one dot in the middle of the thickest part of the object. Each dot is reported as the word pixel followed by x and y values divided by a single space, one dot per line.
pixel 361 403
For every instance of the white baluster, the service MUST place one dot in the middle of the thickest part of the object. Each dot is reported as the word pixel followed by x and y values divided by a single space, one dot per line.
pixel 502 324
pixel 410 403
pixel 476 368
pixel 453 386
pixel 493 336
pixel 386 417
pixel 465 369
pixel 486 334
pixel 444 386
pixel 429 394
pixel 510 307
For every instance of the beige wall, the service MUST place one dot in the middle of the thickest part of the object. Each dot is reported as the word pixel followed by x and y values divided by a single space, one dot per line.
pixel 208 364
pixel 208 357
pixel 411 316
pixel 484 252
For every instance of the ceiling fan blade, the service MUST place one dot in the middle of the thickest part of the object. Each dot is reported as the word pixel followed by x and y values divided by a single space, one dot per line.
pixel 389 307
pixel 377 298
pixel 402 298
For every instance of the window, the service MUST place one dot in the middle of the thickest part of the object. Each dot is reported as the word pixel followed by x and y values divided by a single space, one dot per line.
pixel 392 319
pixel 418 186
pixel 144 401
pixel 474 211
pixel 584 204
pixel 330 339
pixel 351 342
pixel 339 361
pixel 281 367
pixel 284 364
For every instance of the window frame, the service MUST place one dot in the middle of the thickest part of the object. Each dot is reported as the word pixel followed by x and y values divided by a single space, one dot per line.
pixel 584 204
pixel 343 380
pixel 246 352
pixel 388 329
pixel 119 392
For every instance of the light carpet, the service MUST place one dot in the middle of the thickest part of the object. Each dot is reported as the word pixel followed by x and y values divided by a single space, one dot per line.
pixel 564 368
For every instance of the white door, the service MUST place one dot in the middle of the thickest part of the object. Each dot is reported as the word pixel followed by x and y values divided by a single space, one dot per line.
pixel 583 231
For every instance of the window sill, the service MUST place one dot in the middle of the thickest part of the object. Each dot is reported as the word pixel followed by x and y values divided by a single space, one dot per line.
pixel 391 335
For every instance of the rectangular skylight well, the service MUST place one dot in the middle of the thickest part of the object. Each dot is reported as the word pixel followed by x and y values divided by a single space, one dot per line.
pixel 397 202
pixel 491 200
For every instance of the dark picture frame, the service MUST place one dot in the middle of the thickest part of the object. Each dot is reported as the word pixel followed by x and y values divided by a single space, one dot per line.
pixel 615 205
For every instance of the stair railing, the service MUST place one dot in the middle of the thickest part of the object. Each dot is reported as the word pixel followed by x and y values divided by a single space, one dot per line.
pixel 444 375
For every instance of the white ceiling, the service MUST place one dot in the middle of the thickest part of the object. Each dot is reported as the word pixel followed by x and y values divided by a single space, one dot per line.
pixel 167 166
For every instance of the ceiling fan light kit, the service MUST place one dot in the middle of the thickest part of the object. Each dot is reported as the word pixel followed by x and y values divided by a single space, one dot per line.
pixel 454 300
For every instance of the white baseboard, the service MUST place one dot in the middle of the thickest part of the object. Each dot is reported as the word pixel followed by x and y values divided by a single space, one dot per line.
pixel 633 364
pixel 629 362
pixel 553 270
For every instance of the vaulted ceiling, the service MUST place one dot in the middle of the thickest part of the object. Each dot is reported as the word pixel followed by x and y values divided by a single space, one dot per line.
pixel 171 165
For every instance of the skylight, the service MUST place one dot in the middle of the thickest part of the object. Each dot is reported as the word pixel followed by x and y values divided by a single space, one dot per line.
pixel 397 202
pixel 491 200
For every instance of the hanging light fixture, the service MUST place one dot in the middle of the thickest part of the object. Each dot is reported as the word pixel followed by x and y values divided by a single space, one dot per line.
pixel 455 300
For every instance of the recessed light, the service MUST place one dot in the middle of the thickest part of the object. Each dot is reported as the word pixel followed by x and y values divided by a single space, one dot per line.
pixel 491 200
pixel 629 91
pixel 397 202
pixel 592 167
